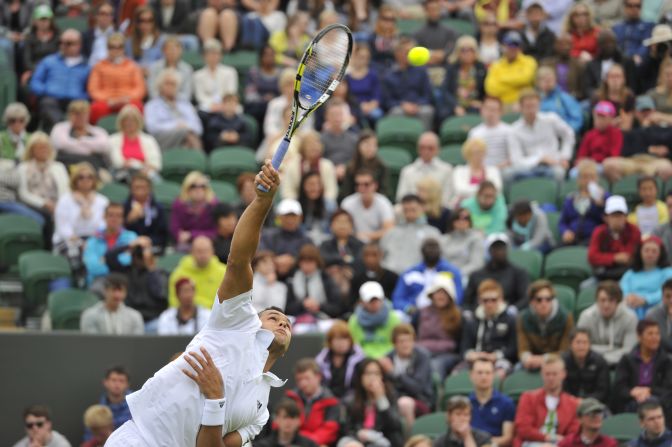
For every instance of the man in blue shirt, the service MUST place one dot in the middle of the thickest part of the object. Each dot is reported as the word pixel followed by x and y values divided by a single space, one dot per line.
pixel 116 384
pixel 632 31
pixel 492 411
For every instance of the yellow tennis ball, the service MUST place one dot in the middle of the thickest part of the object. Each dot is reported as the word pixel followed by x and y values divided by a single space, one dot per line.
pixel 418 56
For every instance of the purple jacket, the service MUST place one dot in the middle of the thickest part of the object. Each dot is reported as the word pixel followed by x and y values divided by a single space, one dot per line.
pixel 431 335
pixel 199 224
pixel 324 360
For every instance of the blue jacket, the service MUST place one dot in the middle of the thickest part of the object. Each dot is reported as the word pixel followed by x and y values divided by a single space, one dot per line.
pixel 646 284
pixel 565 106
pixel 55 79
pixel 94 253
pixel 412 282
pixel 630 34
pixel 582 226
pixel 409 85
pixel 664 441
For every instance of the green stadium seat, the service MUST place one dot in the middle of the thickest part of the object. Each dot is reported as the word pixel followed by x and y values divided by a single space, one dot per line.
pixel 454 130
pixel 520 381
pixel 623 427
pixel 8 86
pixel 177 163
pixel 462 27
pixel 168 263
pixel 452 154
pixel 432 425
pixel 242 61
pixel 585 299
pixel 395 159
pixel 80 23
pixel 459 384
pixel 37 269
pixel 193 58
pixel 227 163
pixel 568 266
pixel 627 187
pixel 225 192
pixel 400 131
pixel 510 117
pixel 109 123
pixel 253 127
pixel 542 190
pixel 529 260
pixel 166 193
pixel 553 218
pixel 66 306
pixel 409 26
pixel 18 234
pixel 115 192
pixel 566 297
pixel 667 189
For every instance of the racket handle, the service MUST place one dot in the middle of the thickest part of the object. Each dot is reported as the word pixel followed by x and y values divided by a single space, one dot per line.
pixel 277 158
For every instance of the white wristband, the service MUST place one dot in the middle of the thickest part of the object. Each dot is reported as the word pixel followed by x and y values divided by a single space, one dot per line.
pixel 214 412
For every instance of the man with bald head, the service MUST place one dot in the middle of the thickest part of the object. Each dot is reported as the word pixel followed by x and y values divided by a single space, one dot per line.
pixel 203 268
pixel 60 78
pixel 427 164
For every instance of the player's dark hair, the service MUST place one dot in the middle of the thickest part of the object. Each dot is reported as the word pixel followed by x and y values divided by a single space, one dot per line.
pixel 275 308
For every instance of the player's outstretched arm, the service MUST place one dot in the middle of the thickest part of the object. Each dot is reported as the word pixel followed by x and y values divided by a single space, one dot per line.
pixel 238 276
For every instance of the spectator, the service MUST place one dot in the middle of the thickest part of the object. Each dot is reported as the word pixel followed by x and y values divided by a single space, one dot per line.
pixel 411 292
pixel 227 127
pixel 439 326
pixel 343 245
pixel 407 90
pixel 582 210
pixel 419 441
pixel 111 316
pixel 463 87
pixel 37 422
pixel 146 41
pixel 310 159
pixel 287 421
pixel 652 422
pixel 568 70
pixel 513 73
pixel 383 38
pixel 650 212
pixel 226 219
pixel 116 384
pixel 339 359
pixel 132 150
pixel 187 318
pixel 437 37
pixel 528 227
pixel 590 413
pixel 489 48
pixel 554 99
pixel 143 215
pixel 339 142
pixel 372 212
pixel 460 432
pixel 290 42
pixel 546 414
pixel 587 371
pixel 287 239
pixel 171 120
pixel 215 80
pixel 261 85
pixel 172 58
pixel 580 24
pixel 372 256
pixel 491 411
pixel 218 19
pixel 538 38
pixel 373 320
pixel 487 209
pixel 513 279
pixel 467 178
pixel 610 325
pixel 661 94
pixel 489 332
pixel 642 283
pixel 496 133
pixel 268 290
pixel 38 42
pixel 15 18
pixel 60 78
pixel 644 373
pixel 192 211
pixel 98 420
pixel 13 139
pixel 542 328
pixel 609 54
pixel 437 215
pixel 605 139
pixel 95 43
pixel 115 81
pixel 428 164
pixel 203 268
pixel 365 84
pixel 606 13
pixel 613 88
pixel 543 143
pixel 353 119
pixel 662 314
pixel 9 202
pixel 320 409
pixel 633 31
pixel 461 244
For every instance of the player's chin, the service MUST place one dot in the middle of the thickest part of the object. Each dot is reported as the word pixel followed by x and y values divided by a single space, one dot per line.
pixel 283 340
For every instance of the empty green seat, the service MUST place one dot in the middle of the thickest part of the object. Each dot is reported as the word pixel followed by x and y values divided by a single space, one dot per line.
pixel 168 263
pixel 227 163
pixel 395 159
pixel 225 192
pixel 529 260
pixel 253 127
pixel 409 26
pixel 566 297
pixel 519 382
pixel 115 192
pixel 242 61
pixel 568 266
pixel 623 427
pixel 165 193
pixel 553 218
pixel 400 131
pixel 585 299
pixel 109 123
pixel 177 163
pixel 510 117
pixel 432 425
pixel 462 27
pixel 80 23
pixel 193 58
pixel 66 307
pixel 542 190
pixel 37 269
pixel 18 234
pixel 452 154
pixel 454 130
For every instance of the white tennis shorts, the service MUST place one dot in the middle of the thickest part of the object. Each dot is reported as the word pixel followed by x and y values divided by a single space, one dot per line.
pixel 127 435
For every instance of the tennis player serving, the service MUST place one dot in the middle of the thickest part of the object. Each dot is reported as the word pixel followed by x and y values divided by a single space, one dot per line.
pixel 217 393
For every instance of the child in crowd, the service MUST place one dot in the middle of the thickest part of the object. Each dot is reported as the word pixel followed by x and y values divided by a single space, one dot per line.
pixel 604 140
pixel 227 128
pixel 650 212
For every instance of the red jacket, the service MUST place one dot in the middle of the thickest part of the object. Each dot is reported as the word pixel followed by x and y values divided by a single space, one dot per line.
pixel 320 421
pixel 584 42
pixel 574 440
pixel 598 145
pixel 603 246
pixel 531 414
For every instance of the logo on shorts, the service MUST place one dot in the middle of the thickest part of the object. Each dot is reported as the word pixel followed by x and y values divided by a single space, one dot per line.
pixel 221 404
pixel 259 404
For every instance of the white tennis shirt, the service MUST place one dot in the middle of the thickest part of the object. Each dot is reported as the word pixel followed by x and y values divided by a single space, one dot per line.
pixel 167 409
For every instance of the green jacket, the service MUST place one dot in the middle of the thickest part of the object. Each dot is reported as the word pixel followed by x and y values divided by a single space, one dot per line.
pixel 381 343
pixel 7 149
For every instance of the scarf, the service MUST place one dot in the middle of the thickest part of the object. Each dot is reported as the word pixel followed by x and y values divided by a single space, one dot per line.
pixel 41 181
pixel 309 286
pixel 370 322
pixel 85 204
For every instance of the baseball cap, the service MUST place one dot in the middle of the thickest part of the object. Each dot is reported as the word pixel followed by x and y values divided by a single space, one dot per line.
pixel 443 281
pixel 289 206
pixel 43 12
pixel 513 39
pixel 616 204
pixel 605 108
pixel 370 290
pixel 644 102
pixel 530 3
pixel 590 405
pixel 496 237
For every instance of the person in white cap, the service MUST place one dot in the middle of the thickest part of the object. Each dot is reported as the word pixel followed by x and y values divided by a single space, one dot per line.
pixel 287 239
pixel 613 244
pixel 660 49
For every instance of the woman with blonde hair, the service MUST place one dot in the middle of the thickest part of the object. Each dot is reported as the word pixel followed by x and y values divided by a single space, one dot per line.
pixel 131 149
pixel 338 359
pixel 429 190
pixel 14 138
pixel 464 85
pixel 310 159
pixel 580 24
pixel 146 40
pixel 466 178
pixel 385 33
pixel 192 211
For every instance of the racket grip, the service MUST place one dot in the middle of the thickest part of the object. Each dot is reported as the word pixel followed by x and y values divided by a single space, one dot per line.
pixel 277 158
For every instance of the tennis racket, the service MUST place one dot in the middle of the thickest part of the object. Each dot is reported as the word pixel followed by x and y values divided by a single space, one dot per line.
pixel 320 71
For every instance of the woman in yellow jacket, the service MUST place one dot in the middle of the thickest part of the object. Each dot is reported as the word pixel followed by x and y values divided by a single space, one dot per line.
pixel 511 74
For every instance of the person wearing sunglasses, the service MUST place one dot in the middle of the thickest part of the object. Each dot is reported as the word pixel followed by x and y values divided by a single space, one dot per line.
pixel 14 138
pixel 192 211
pixel 543 327
pixel 39 431
pixel 94 40
pixel 632 31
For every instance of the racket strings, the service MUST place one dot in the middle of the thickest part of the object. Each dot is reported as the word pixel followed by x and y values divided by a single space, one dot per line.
pixel 323 66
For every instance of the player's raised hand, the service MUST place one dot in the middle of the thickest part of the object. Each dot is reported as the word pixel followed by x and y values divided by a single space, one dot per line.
pixel 269 178
pixel 206 375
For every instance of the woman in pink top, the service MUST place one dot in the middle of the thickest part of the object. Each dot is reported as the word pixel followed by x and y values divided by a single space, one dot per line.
pixel 132 150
